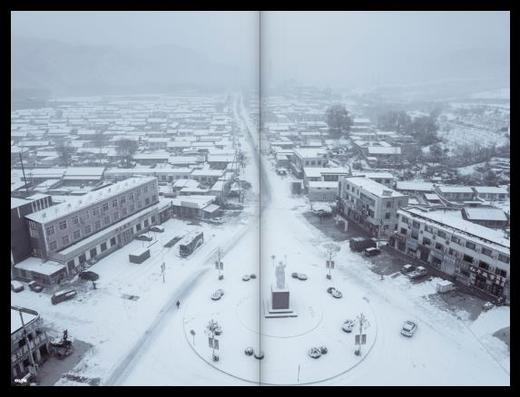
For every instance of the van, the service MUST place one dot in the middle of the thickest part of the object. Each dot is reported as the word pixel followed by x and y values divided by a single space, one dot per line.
pixel 64 295
pixel 16 286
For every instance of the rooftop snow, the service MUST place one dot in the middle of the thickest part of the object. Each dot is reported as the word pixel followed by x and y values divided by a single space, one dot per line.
pixel 16 322
pixel 373 187
pixel 418 186
pixel 37 265
pixel 60 210
pixel 485 214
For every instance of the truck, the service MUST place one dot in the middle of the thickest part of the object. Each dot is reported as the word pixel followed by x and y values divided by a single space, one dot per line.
pixel 190 243
pixel 358 244
pixel 139 256
pixel 62 296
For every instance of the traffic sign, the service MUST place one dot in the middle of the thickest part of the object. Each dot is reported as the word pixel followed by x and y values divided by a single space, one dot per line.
pixel 363 339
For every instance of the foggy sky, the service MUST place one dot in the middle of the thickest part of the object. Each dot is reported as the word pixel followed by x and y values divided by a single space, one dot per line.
pixel 343 49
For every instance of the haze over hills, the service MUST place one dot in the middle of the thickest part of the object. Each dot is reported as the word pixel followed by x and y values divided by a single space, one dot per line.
pixel 58 68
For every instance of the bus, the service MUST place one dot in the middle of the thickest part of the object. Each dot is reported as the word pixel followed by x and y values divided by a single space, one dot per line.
pixel 190 243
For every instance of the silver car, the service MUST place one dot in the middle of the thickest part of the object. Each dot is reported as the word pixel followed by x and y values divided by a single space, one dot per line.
pixel 409 328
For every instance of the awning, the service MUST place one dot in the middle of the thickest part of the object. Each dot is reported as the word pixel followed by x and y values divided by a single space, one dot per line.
pixel 211 208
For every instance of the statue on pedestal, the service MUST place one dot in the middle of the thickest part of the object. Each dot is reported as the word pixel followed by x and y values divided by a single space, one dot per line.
pixel 280 276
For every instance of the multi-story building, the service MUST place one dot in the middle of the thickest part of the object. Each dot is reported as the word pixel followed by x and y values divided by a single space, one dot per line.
pixel 474 255
pixel 491 193
pixel 455 193
pixel 370 204
pixel 307 157
pixel 76 224
pixel 20 239
pixel 38 343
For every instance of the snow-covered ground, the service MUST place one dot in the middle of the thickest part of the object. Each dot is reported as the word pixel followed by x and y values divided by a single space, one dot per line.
pixel 147 342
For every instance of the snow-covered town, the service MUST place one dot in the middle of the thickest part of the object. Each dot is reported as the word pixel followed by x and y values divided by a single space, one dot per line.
pixel 310 236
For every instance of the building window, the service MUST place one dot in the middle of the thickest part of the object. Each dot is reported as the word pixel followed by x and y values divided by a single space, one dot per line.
pixel 105 207
pixel 414 235
pixel 388 215
pixel 503 258
pixel 103 247
pixel 500 272
pixel 468 258
pixel 441 234
pixel 124 211
pixel 428 229
pixel 471 245
pixel 63 225
pixel 95 212
pixel 112 241
pixel 451 251
pixel 145 188
pixel 114 203
pixel 153 219
pixel 388 204
pixel 88 229
pixel 53 245
pixel 146 223
pixel 123 200
pixel 76 234
pixel 455 239
pixel 403 230
pixel 483 265
pixel 416 224
pixel 65 240
pixel 82 258
pixel 93 253
pixel 439 246
pixel 75 220
pixel 147 201
pixel 116 215
pixel 50 230
pixel 138 227
pixel 98 225
pixel 426 241
pixel 106 220
pixel 487 251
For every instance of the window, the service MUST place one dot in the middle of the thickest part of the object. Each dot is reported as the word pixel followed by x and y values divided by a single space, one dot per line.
pixel 428 229
pixel 98 225
pixel 153 219
pixel 388 215
pixel 388 204
pixel 403 230
pixel 487 251
pixel 123 200
pixel 138 227
pixel 441 234
pixel 103 247
pixel 93 253
pixel 95 212
pixel 124 211
pixel 63 225
pixel 471 245
pixel 112 241
pixel 414 235
pixel 468 258
pixel 404 219
pixel 114 203
pixel 53 245
pixel 105 207
pixel 106 220
pixel 75 220
pixel 76 234
pixel 50 230
pixel 145 188
pixel 147 201
pixel 88 229
pixel 455 239
pixel 426 241
pixel 500 272
pixel 416 224
pixel 154 198
pixel 451 251
pixel 439 246
pixel 82 258
pixel 146 223
pixel 116 215
pixel 483 265
pixel 503 258
pixel 65 240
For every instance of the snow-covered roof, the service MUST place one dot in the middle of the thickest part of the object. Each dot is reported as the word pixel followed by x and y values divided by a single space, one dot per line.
pixel 37 265
pixel 455 189
pixel 384 150
pixel 323 184
pixel 485 214
pixel 373 187
pixel 16 322
pixel 452 219
pixel 490 189
pixel 60 210
pixel 18 202
pixel 194 201
pixel 416 186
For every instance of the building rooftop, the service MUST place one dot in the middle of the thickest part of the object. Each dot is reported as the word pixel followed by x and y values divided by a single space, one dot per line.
pixel 490 189
pixel 485 214
pixel 373 187
pixel 416 186
pixel 60 210
pixel 16 322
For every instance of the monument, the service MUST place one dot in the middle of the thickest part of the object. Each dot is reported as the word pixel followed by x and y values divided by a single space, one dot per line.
pixel 280 304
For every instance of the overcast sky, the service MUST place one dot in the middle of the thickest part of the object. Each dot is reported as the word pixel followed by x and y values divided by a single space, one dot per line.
pixel 326 48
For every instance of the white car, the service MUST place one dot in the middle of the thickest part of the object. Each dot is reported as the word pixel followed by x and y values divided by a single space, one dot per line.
pixel 409 328
pixel 348 326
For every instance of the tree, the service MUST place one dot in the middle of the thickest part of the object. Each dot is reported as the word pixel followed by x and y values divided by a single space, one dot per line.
pixel 398 121
pixel 100 140
pixel 65 151
pixel 126 148
pixel 436 153
pixel 425 129
pixel 338 120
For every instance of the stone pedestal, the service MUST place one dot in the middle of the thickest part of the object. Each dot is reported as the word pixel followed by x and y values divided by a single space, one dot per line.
pixel 279 304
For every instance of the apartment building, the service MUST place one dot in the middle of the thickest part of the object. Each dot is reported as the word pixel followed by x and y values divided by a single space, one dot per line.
pixel 370 204
pixel 475 255
pixel 307 157
pixel 56 228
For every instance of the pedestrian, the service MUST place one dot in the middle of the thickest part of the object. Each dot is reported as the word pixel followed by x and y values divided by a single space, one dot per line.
pixel 178 304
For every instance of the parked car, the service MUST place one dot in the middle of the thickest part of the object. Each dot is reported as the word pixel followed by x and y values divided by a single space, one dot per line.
pixel 246 277
pixel 336 294
pixel 62 296
pixel 348 326
pixel 407 268
pixel 157 229
pixel 294 275
pixel 217 294
pixel 302 276
pixel 143 237
pixel 330 289
pixel 281 171
pixel 315 352
pixel 16 286
pixel 252 276
pixel 409 328
pixel 372 251
pixel 418 273
pixel 34 286
pixel 358 244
